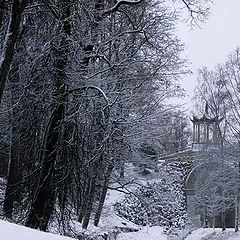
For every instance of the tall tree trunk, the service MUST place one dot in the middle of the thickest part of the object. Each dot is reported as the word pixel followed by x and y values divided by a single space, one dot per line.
pixel 237 203
pixel 237 214
pixel 10 41
pixel 43 204
pixel 14 170
pixel 223 219
pixel 12 188
pixel 103 195
pixel 83 203
pixel 89 204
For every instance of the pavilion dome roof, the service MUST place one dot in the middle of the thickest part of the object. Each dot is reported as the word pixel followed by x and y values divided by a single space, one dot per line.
pixel 206 117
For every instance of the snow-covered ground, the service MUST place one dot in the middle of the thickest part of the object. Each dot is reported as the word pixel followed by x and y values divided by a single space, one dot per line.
pixel 146 233
pixel 111 222
pixel 156 233
pixel 213 234
pixel 10 231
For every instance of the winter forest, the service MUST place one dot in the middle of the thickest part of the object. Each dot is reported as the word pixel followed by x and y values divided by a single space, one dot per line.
pixel 92 144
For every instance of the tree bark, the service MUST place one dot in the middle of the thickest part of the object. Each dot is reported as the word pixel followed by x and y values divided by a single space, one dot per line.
pixel 2 10
pixel 10 41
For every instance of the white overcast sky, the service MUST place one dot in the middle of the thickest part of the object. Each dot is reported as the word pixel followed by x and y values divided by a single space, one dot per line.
pixel 211 44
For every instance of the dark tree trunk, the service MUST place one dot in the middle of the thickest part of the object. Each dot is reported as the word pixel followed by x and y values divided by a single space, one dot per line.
pixel 89 204
pixel 12 188
pixel 14 167
pixel 83 203
pixel 237 214
pixel 42 205
pixel 237 203
pixel 103 196
pixel 2 10
pixel 11 39
pixel 223 219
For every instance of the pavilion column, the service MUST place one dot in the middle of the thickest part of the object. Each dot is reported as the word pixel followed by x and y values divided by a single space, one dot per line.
pixel 198 133
pixel 215 133
pixel 204 133
pixel 194 132
pixel 207 133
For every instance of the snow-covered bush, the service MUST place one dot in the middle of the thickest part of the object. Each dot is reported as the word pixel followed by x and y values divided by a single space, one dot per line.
pixel 161 203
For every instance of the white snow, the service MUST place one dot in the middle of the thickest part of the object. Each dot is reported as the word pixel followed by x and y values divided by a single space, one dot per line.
pixel 10 231
pixel 110 221
pixel 146 233
pixel 201 233
pixel 213 234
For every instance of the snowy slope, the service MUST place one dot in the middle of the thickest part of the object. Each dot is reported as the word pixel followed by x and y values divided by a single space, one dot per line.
pixel 10 231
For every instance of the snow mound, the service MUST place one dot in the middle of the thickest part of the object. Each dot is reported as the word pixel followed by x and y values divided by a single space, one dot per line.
pixel 10 231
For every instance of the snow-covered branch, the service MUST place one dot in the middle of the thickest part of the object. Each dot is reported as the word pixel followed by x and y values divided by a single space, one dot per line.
pixel 119 4
pixel 90 87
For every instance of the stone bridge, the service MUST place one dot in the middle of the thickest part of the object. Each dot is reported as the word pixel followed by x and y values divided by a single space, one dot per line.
pixel 206 155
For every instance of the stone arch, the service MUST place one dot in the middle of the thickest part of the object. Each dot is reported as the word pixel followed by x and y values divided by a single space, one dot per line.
pixel 192 176
pixel 198 220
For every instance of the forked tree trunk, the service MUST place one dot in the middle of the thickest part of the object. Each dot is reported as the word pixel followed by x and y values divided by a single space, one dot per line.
pixel 43 204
